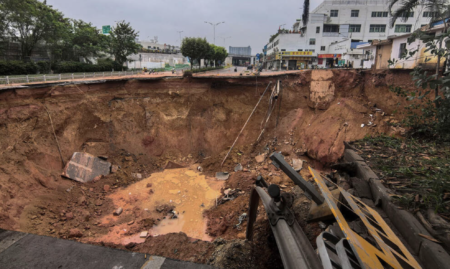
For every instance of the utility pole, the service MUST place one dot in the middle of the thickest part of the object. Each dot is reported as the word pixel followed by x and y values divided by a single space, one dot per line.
pixel 224 39
pixel 180 36
pixel 214 26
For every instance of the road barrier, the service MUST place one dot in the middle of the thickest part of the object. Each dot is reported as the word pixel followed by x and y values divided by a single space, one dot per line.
pixel 8 80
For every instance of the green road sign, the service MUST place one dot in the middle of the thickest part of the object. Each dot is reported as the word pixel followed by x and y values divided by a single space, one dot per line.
pixel 106 29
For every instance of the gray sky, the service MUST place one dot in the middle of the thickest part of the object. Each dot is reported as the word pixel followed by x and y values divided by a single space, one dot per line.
pixel 248 22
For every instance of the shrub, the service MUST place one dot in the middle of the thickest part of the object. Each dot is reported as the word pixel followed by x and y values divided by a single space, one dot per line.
pixel 44 67
pixel 77 67
pixel 187 73
pixel 8 68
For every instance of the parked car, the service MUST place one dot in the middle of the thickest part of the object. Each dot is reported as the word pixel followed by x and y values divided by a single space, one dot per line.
pixel 250 67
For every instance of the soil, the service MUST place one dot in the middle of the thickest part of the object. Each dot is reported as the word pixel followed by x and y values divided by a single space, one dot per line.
pixel 140 125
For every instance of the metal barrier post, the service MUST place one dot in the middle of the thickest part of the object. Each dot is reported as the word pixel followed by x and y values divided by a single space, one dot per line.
pixel 59 76
pixel 103 73
pixel 7 80
pixel 45 79
pixel 84 75
pixel 72 76
pixel 28 80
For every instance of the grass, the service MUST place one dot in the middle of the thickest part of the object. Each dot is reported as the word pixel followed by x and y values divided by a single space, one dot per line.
pixel 417 171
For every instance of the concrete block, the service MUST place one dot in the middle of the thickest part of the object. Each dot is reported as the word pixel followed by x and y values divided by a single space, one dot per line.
pixel 352 156
pixel 408 226
pixel 363 171
pixel 433 256
pixel 361 187
pixel 380 195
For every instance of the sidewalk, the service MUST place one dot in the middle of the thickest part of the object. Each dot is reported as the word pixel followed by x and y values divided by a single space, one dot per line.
pixel 21 250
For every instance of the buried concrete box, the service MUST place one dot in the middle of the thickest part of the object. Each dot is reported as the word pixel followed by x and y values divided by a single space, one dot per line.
pixel 84 167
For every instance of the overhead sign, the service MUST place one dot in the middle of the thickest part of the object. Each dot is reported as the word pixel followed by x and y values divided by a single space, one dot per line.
pixel 257 56
pixel 294 53
pixel 106 29
pixel 329 56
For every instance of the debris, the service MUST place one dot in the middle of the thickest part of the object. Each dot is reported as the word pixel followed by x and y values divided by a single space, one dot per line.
pixel 69 215
pixel 222 175
pixel 106 188
pixel 260 158
pixel 130 245
pixel 69 189
pixel 241 219
pixel 75 233
pixel 149 185
pixel 136 175
pixel 84 167
pixel 362 125
pixel 429 238
pixel 114 168
pixel 131 222
pixel 199 168
pixel 81 200
pixel 172 165
pixel 297 164
pixel 265 167
pixel 118 211
pixel 238 167
pixel 322 225
pixel 143 234
pixel 99 203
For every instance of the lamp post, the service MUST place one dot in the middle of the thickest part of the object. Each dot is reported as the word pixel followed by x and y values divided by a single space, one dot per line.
pixel 180 36
pixel 224 39
pixel 214 26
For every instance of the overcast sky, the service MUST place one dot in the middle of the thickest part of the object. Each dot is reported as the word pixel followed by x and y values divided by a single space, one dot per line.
pixel 248 22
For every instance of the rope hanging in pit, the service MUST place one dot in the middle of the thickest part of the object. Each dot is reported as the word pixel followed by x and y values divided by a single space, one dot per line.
pixel 272 104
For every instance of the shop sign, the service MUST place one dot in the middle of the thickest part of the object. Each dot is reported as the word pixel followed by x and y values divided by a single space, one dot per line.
pixel 299 53
pixel 329 56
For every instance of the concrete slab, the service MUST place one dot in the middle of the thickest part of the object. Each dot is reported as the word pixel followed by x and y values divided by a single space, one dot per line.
pixel 34 251
pixel 84 167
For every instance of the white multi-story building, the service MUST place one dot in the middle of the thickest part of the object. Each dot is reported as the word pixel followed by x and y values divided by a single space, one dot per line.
pixel 336 21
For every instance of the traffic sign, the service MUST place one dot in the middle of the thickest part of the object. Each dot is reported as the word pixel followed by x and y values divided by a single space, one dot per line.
pixel 106 29
pixel 257 56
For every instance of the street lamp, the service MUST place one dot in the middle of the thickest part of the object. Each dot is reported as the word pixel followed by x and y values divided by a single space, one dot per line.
pixel 180 36
pixel 225 38
pixel 214 26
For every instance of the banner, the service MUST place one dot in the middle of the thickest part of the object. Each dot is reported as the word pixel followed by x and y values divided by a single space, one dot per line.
pixel 299 53
pixel 329 56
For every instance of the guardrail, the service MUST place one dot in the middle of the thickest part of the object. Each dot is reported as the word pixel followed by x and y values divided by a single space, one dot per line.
pixel 8 80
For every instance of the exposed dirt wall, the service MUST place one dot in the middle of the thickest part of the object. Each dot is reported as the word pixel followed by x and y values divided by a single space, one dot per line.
pixel 156 120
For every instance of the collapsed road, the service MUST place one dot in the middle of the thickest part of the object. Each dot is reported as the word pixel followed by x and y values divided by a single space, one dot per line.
pixel 139 128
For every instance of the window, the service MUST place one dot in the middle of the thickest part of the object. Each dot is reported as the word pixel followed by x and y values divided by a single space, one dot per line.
pixel 300 50
pixel 322 48
pixel 317 29
pixel 312 41
pixel 429 14
pixel 403 28
pixel 331 28
pixel 354 28
pixel 311 50
pixel 377 28
pixel 379 14
pixel 283 49
pixel 370 40
pixel 402 50
pixel 334 13
pixel 354 13
pixel 406 14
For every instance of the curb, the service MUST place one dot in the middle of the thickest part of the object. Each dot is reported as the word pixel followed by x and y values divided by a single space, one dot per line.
pixel 431 255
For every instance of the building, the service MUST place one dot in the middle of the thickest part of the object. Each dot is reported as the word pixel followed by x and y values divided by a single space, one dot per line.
pixel 240 56
pixel 333 22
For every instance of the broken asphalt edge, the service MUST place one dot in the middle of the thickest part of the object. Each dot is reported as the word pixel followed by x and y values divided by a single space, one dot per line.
pixel 431 255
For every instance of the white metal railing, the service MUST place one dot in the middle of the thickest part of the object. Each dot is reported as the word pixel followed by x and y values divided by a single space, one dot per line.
pixel 8 80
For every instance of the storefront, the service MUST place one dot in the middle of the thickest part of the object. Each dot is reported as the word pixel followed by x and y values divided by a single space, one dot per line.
pixel 295 60
pixel 329 60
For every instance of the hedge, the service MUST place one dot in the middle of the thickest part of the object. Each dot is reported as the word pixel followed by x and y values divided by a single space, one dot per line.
pixel 206 69
pixel 8 68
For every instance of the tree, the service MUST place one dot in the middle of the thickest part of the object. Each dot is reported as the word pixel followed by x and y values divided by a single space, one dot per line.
pixel 123 42
pixel 220 54
pixel 210 53
pixel 195 48
pixel 30 22
pixel 430 116
pixel 439 9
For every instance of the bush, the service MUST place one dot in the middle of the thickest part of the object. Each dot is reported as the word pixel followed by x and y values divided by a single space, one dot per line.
pixel 77 67
pixel 206 69
pixel 187 73
pixel 44 67
pixel 8 68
